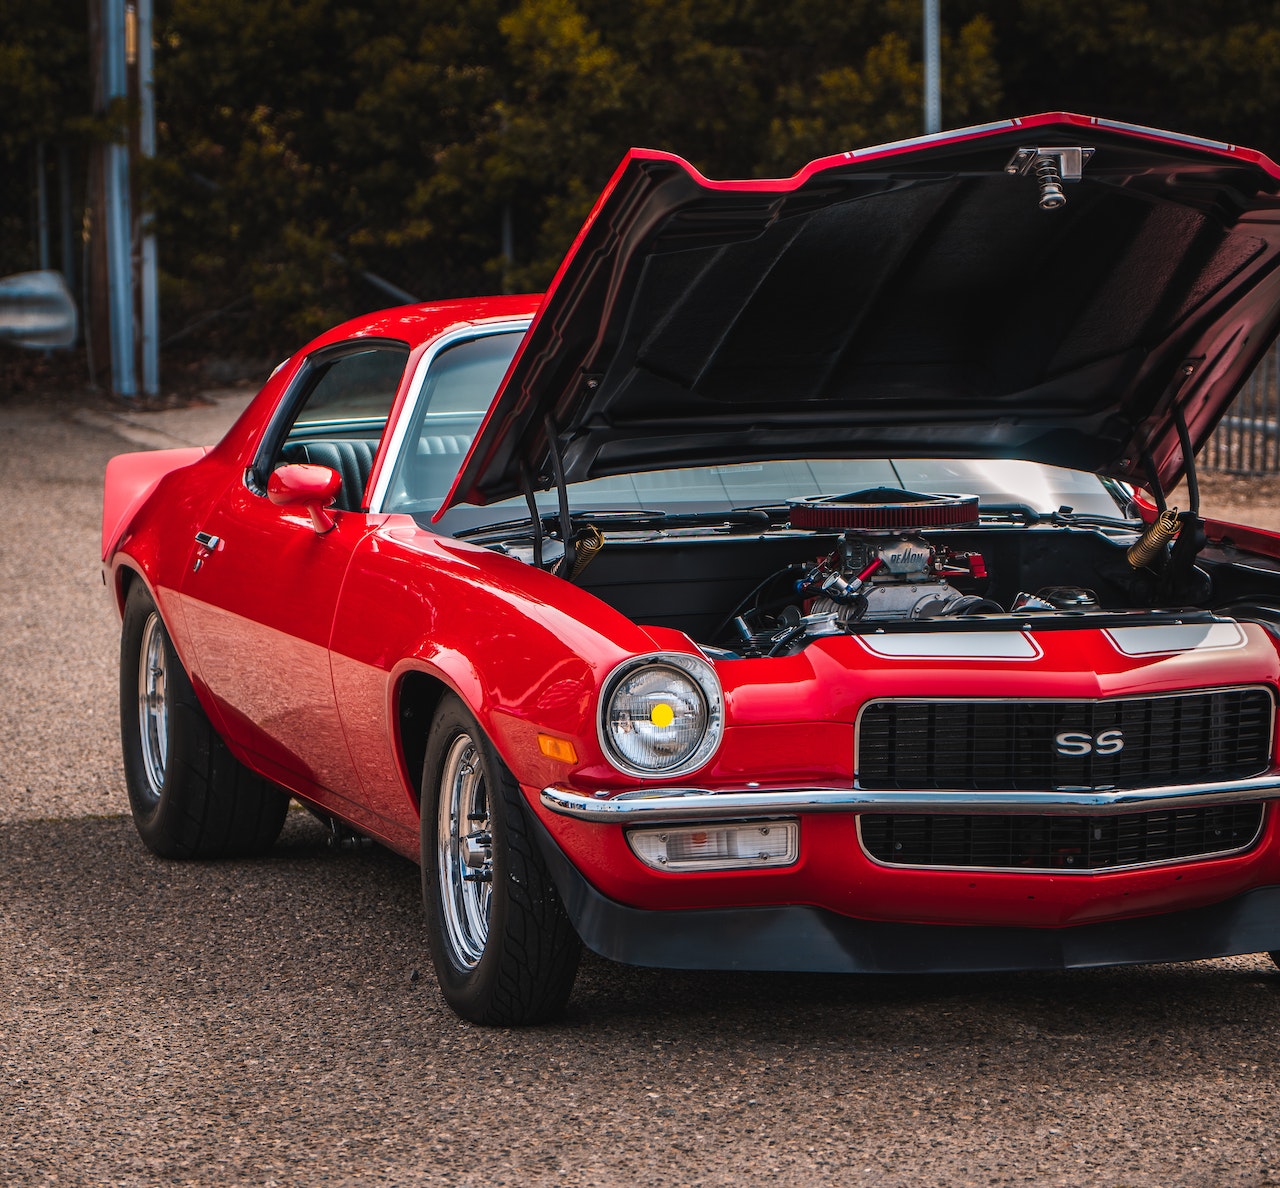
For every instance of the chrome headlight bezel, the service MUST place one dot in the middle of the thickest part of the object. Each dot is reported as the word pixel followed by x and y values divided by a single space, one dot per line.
pixel 702 675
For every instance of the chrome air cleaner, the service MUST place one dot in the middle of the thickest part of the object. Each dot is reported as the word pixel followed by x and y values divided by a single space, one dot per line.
pixel 884 509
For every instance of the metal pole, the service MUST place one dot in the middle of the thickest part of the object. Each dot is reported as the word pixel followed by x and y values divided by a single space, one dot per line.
pixel 508 247
pixel 932 69
pixel 117 215
pixel 64 211
pixel 147 148
pixel 42 210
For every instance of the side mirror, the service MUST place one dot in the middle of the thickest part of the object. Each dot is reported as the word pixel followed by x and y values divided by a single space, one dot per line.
pixel 314 488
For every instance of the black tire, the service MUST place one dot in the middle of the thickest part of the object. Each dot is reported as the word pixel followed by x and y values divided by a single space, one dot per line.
pixel 191 798
pixel 504 950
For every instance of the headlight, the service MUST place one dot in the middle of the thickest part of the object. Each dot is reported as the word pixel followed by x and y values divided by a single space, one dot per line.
pixel 661 715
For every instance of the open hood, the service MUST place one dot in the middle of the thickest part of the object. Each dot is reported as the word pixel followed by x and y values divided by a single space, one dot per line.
pixel 1055 288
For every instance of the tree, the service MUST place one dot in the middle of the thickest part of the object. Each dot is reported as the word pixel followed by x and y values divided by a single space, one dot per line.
pixel 1210 68
pixel 457 147
pixel 44 94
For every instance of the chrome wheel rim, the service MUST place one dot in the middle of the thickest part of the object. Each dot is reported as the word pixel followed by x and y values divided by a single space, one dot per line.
pixel 464 851
pixel 153 706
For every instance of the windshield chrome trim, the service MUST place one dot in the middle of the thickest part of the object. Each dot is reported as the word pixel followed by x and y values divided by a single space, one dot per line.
pixel 407 412
pixel 693 804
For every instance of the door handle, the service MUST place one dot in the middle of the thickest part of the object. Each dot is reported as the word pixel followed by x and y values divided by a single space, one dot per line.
pixel 206 545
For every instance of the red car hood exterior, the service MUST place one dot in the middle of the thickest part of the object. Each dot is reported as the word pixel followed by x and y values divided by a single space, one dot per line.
pixel 906 300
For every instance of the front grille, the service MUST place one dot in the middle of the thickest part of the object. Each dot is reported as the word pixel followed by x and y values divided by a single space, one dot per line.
pixel 1059 843
pixel 988 745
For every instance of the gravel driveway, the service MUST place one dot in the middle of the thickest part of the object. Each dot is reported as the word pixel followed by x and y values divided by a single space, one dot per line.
pixel 275 1021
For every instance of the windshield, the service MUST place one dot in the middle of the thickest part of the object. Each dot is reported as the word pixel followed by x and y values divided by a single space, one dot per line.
pixel 461 383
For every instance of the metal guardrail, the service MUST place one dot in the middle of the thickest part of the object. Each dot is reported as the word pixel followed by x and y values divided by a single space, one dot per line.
pixel 1247 439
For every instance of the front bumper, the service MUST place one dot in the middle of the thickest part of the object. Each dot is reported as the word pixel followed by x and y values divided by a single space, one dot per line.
pixel 656 805
pixel 802 938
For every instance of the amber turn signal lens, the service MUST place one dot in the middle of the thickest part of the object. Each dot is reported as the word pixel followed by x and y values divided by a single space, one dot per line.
pixel 557 748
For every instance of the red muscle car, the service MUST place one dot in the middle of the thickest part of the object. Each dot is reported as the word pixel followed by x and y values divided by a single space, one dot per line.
pixel 793 587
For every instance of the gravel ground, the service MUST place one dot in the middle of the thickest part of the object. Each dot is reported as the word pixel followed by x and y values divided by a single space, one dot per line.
pixel 275 1021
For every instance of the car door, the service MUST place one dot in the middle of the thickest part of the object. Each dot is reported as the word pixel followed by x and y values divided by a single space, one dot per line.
pixel 260 593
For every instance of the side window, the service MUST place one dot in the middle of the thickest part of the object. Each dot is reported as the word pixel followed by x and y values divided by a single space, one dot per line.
pixel 353 391
pixel 340 412
pixel 459 387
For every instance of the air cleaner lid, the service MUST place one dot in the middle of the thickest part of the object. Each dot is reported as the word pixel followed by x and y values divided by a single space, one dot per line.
pixel 884 509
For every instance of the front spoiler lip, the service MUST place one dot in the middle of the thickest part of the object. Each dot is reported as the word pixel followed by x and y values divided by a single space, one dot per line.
pixel 657 805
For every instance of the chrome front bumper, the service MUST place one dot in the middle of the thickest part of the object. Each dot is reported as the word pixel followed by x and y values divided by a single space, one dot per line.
pixel 654 805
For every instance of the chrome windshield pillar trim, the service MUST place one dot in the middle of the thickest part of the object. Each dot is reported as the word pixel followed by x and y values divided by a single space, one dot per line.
pixel 398 431
pixel 704 804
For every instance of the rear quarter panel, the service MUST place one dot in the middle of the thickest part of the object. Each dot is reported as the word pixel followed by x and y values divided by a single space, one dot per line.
pixel 156 542
pixel 129 483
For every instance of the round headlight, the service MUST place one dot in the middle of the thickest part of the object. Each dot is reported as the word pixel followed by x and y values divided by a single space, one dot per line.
pixel 661 715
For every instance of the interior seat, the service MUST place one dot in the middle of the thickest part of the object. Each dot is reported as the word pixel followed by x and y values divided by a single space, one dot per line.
pixel 351 458
pixel 434 464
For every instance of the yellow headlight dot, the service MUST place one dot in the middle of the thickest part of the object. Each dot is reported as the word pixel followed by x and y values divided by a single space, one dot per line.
pixel 662 714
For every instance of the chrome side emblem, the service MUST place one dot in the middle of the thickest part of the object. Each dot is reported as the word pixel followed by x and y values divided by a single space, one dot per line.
pixel 1076 743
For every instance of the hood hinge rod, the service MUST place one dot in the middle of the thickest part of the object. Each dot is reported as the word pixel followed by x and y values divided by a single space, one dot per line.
pixel 535 516
pixel 1153 477
pixel 1188 459
pixel 565 567
pixel 1177 581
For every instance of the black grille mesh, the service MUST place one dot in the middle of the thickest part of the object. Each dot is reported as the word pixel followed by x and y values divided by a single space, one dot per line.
pixel 1187 738
pixel 1059 843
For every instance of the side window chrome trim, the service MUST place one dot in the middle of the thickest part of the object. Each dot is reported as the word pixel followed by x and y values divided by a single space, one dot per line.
pixel 466 334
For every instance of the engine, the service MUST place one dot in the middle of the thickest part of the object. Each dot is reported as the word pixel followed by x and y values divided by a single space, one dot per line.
pixel 890 565
pixel 875 576
pixel 885 568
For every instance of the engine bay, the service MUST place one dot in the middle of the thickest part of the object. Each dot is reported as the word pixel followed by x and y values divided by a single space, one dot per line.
pixel 750 584
pixel 878 579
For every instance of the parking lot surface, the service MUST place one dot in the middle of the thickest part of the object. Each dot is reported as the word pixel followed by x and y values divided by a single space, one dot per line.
pixel 276 1022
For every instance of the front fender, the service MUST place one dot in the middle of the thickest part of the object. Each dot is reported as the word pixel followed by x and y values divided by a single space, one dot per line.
pixel 525 651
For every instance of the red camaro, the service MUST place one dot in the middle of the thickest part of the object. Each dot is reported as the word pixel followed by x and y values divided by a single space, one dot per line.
pixel 805 598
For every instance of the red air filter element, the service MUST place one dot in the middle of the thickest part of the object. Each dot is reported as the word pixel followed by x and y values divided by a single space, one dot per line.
pixel 884 509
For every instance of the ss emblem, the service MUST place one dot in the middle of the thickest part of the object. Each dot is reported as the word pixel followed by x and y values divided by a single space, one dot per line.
pixel 1074 742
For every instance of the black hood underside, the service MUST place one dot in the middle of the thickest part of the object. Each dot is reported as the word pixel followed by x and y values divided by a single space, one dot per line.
pixel 916 303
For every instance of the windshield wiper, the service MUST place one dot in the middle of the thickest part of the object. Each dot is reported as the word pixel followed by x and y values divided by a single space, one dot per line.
pixel 1070 517
pixel 738 517
pixel 631 519
pixel 1023 512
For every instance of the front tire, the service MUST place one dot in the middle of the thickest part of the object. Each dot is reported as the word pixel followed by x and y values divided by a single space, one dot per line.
pixel 190 797
pixel 504 950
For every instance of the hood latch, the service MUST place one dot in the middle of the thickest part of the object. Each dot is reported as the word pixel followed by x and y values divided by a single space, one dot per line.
pixel 1051 167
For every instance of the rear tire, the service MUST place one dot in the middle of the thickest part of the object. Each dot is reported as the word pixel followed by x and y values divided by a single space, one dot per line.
pixel 191 798
pixel 504 950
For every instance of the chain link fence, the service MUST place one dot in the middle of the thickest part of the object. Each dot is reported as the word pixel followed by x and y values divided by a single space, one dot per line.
pixel 1247 439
